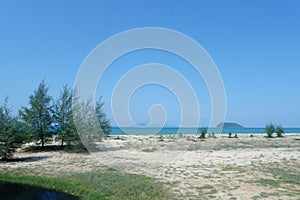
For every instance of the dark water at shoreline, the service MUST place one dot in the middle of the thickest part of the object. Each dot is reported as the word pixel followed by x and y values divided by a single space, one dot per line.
pixel 9 191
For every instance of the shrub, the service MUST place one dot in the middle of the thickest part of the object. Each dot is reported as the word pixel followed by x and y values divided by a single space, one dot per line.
pixel 279 131
pixel 230 135
pixel 270 128
pixel 203 132
pixel 161 138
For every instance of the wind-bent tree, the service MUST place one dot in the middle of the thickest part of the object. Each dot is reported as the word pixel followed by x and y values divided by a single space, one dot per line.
pixel 270 128
pixel 63 116
pixel 11 137
pixel 38 116
pixel 102 118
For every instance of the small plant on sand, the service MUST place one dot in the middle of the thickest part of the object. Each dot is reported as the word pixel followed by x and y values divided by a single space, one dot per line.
pixel 161 138
pixel 229 135
pixel 279 131
pixel 235 136
pixel 270 129
pixel 203 132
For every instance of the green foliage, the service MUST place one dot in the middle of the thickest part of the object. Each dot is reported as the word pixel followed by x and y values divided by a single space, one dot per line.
pixel 270 129
pixel 289 176
pixel 38 116
pixel 102 119
pixel 161 138
pixel 63 118
pixel 87 124
pixel 124 186
pixel 96 185
pixel 11 136
pixel 230 135
pixel 203 132
pixel 279 131
pixel 269 182
pixel 41 120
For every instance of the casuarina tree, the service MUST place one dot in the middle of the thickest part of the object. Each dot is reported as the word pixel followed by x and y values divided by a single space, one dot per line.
pixel 63 117
pixel 11 136
pixel 38 116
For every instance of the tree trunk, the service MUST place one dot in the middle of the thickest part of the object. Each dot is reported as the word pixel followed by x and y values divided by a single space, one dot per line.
pixel 42 137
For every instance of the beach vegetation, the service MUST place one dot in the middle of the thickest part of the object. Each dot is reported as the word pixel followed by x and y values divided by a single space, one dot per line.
pixel 45 120
pixel 11 134
pixel 95 185
pixel 161 138
pixel 270 129
pixel 87 125
pixel 279 131
pixel 203 132
pixel 38 116
pixel 102 118
pixel 63 118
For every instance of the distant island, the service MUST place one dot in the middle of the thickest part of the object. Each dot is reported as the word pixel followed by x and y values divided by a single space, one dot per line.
pixel 229 125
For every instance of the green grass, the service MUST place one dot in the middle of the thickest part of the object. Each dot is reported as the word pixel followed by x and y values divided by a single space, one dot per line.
pixel 95 185
pixel 284 175
pixel 234 168
pixel 269 182
pixel 288 179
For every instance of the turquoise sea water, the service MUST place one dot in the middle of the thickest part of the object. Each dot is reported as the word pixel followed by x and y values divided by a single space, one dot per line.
pixel 167 130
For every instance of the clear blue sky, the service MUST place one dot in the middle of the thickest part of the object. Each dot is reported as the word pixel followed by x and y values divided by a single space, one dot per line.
pixel 255 44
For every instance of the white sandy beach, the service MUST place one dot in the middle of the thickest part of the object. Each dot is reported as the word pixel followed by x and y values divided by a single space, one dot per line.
pixel 220 168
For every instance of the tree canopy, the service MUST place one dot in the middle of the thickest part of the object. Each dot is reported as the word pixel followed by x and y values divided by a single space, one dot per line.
pixel 38 116
pixel 10 132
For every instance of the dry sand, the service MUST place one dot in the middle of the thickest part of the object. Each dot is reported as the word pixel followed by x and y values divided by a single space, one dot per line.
pixel 214 168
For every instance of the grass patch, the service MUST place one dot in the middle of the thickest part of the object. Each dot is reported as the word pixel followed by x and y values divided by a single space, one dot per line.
pixel 269 182
pixel 206 187
pixel 233 168
pixel 95 185
pixel 291 177
pixel 288 179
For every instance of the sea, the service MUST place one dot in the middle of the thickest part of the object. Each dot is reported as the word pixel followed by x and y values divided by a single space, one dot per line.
pixel 174 130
